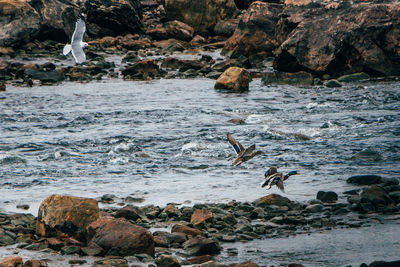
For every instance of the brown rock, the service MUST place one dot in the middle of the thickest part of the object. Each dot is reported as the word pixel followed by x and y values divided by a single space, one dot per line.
pixel 130 213
pixel 35 263
pixel 226 27
pixel 165 239
pixel 142 70
pixel 66 215
pixel 172 29
pixel 272 199
pixel 235 79
pixel 199 217
pixel 121 235
pixel 348 38
pixel 11 261
pixel 171 210
pixel 2 86
pixel 246 264
pixel 212 264
pixel 112 18
pixel 276 77
pixel 255 34
pixel 19 22
pixel 198 245
pixel 180 228
pixel 54 243
pixel 200 259
pixel 202 15
pixel 167 261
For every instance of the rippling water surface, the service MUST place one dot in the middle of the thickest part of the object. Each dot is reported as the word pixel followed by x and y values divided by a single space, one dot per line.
pixel 165 140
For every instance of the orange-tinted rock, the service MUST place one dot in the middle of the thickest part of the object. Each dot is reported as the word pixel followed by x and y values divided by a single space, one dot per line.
pixel 55 243
pixel 202 15
pixel 142 70
pixel 66 216
pixel 171 210
pixel 199 217
pixel 255 34
pixel 180 228
pixel 11 261
pixel 200 259
pixel 246 264
pixel 235 79
pixel 272 199
pixel 172 29
pixel 121 235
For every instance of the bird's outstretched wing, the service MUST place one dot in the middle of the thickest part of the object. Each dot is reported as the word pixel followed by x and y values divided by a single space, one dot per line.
pixel 248 151
pixel 76 42
pixel 236 145
pixel 279 184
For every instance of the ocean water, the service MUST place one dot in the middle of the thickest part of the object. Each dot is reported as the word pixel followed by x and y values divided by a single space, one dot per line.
pixel 165 141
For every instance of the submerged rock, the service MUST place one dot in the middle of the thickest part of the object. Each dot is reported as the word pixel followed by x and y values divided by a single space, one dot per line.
pixel 327 196
pixel 66 215
pixel 300 77
pixel 235 79
pixel 365 179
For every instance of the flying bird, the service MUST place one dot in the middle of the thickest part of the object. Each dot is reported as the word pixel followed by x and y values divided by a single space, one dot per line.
pixel 242 153
pixel 273 177
pixel 76 46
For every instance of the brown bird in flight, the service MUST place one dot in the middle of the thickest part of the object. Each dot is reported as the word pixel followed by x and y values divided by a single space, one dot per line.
pixel 242 153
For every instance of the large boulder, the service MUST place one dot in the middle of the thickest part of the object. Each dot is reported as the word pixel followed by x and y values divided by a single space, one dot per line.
pixel 255 34
pixel 19 22
pixel 235 79
pixel 119 237
pixel 202 15
pixel 272 199
pixel 377 196
pixel 339 39
pixel 66 215
pixel 11 261
pixel 368 179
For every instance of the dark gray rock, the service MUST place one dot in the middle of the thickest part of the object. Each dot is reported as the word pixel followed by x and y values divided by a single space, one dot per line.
pixel 364 179
pixel 328 196
pixel 333 84
pixel 197 246
pixel 46 77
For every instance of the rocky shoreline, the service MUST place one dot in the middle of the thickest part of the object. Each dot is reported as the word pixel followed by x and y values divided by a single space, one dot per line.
pixel 178 235
pixel 144 40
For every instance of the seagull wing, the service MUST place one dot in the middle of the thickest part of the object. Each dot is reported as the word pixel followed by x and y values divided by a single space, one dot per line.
pixel 77 37
pixel 236 145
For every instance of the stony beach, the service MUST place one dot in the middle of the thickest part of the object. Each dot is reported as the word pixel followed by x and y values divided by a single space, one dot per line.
pixel 296 43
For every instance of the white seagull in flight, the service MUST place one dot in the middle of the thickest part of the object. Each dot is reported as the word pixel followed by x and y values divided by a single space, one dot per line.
pixel 76 46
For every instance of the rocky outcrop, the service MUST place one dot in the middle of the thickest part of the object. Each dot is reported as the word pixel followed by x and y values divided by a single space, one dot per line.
pixel 66 216
pixel 321 38
pixel 202 15
pixel 119 237
pixel 142 70
pixel 11 261
pixel 272 199
pixel 255 35
pixel 19 22
pixel 172 29
pixel 112 18
pixel 200 217
pixel 235 79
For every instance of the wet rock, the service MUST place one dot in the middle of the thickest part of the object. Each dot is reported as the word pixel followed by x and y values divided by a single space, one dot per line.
pixel 368 155
pixel 364 179
pixel 300 77
pixel 172 29
pixel 384 264
pixel 198 40
pixel 355 77
pixel 23 206
pixel 246 264
pixel 226 27
pixel 113 18
pixel 77 262
pixel 60 215
pixel 45 77
pixel 111 263
pixel 54 243
pixel 327 196
pixel 333 84
pixel 315 208
pixel 189 231
pixel 201 15
pixel 130 213
pixel 70 250
pixel 395 196
pixel 255 34
pixel 235 79
pixel 166 261
pixel 165 239
pixel 212 264
pixel 142 70
pixel 198 245
pixel 92 250
pixel 198 260
pixel 171 63
pixel 376 196
pixel 20 22
pixel 35 263
pixel 200 217
pixel 325 39
pixel 120 235
pixel 296 265
pixel 272 199
pixel 2 87
pixel 11 261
